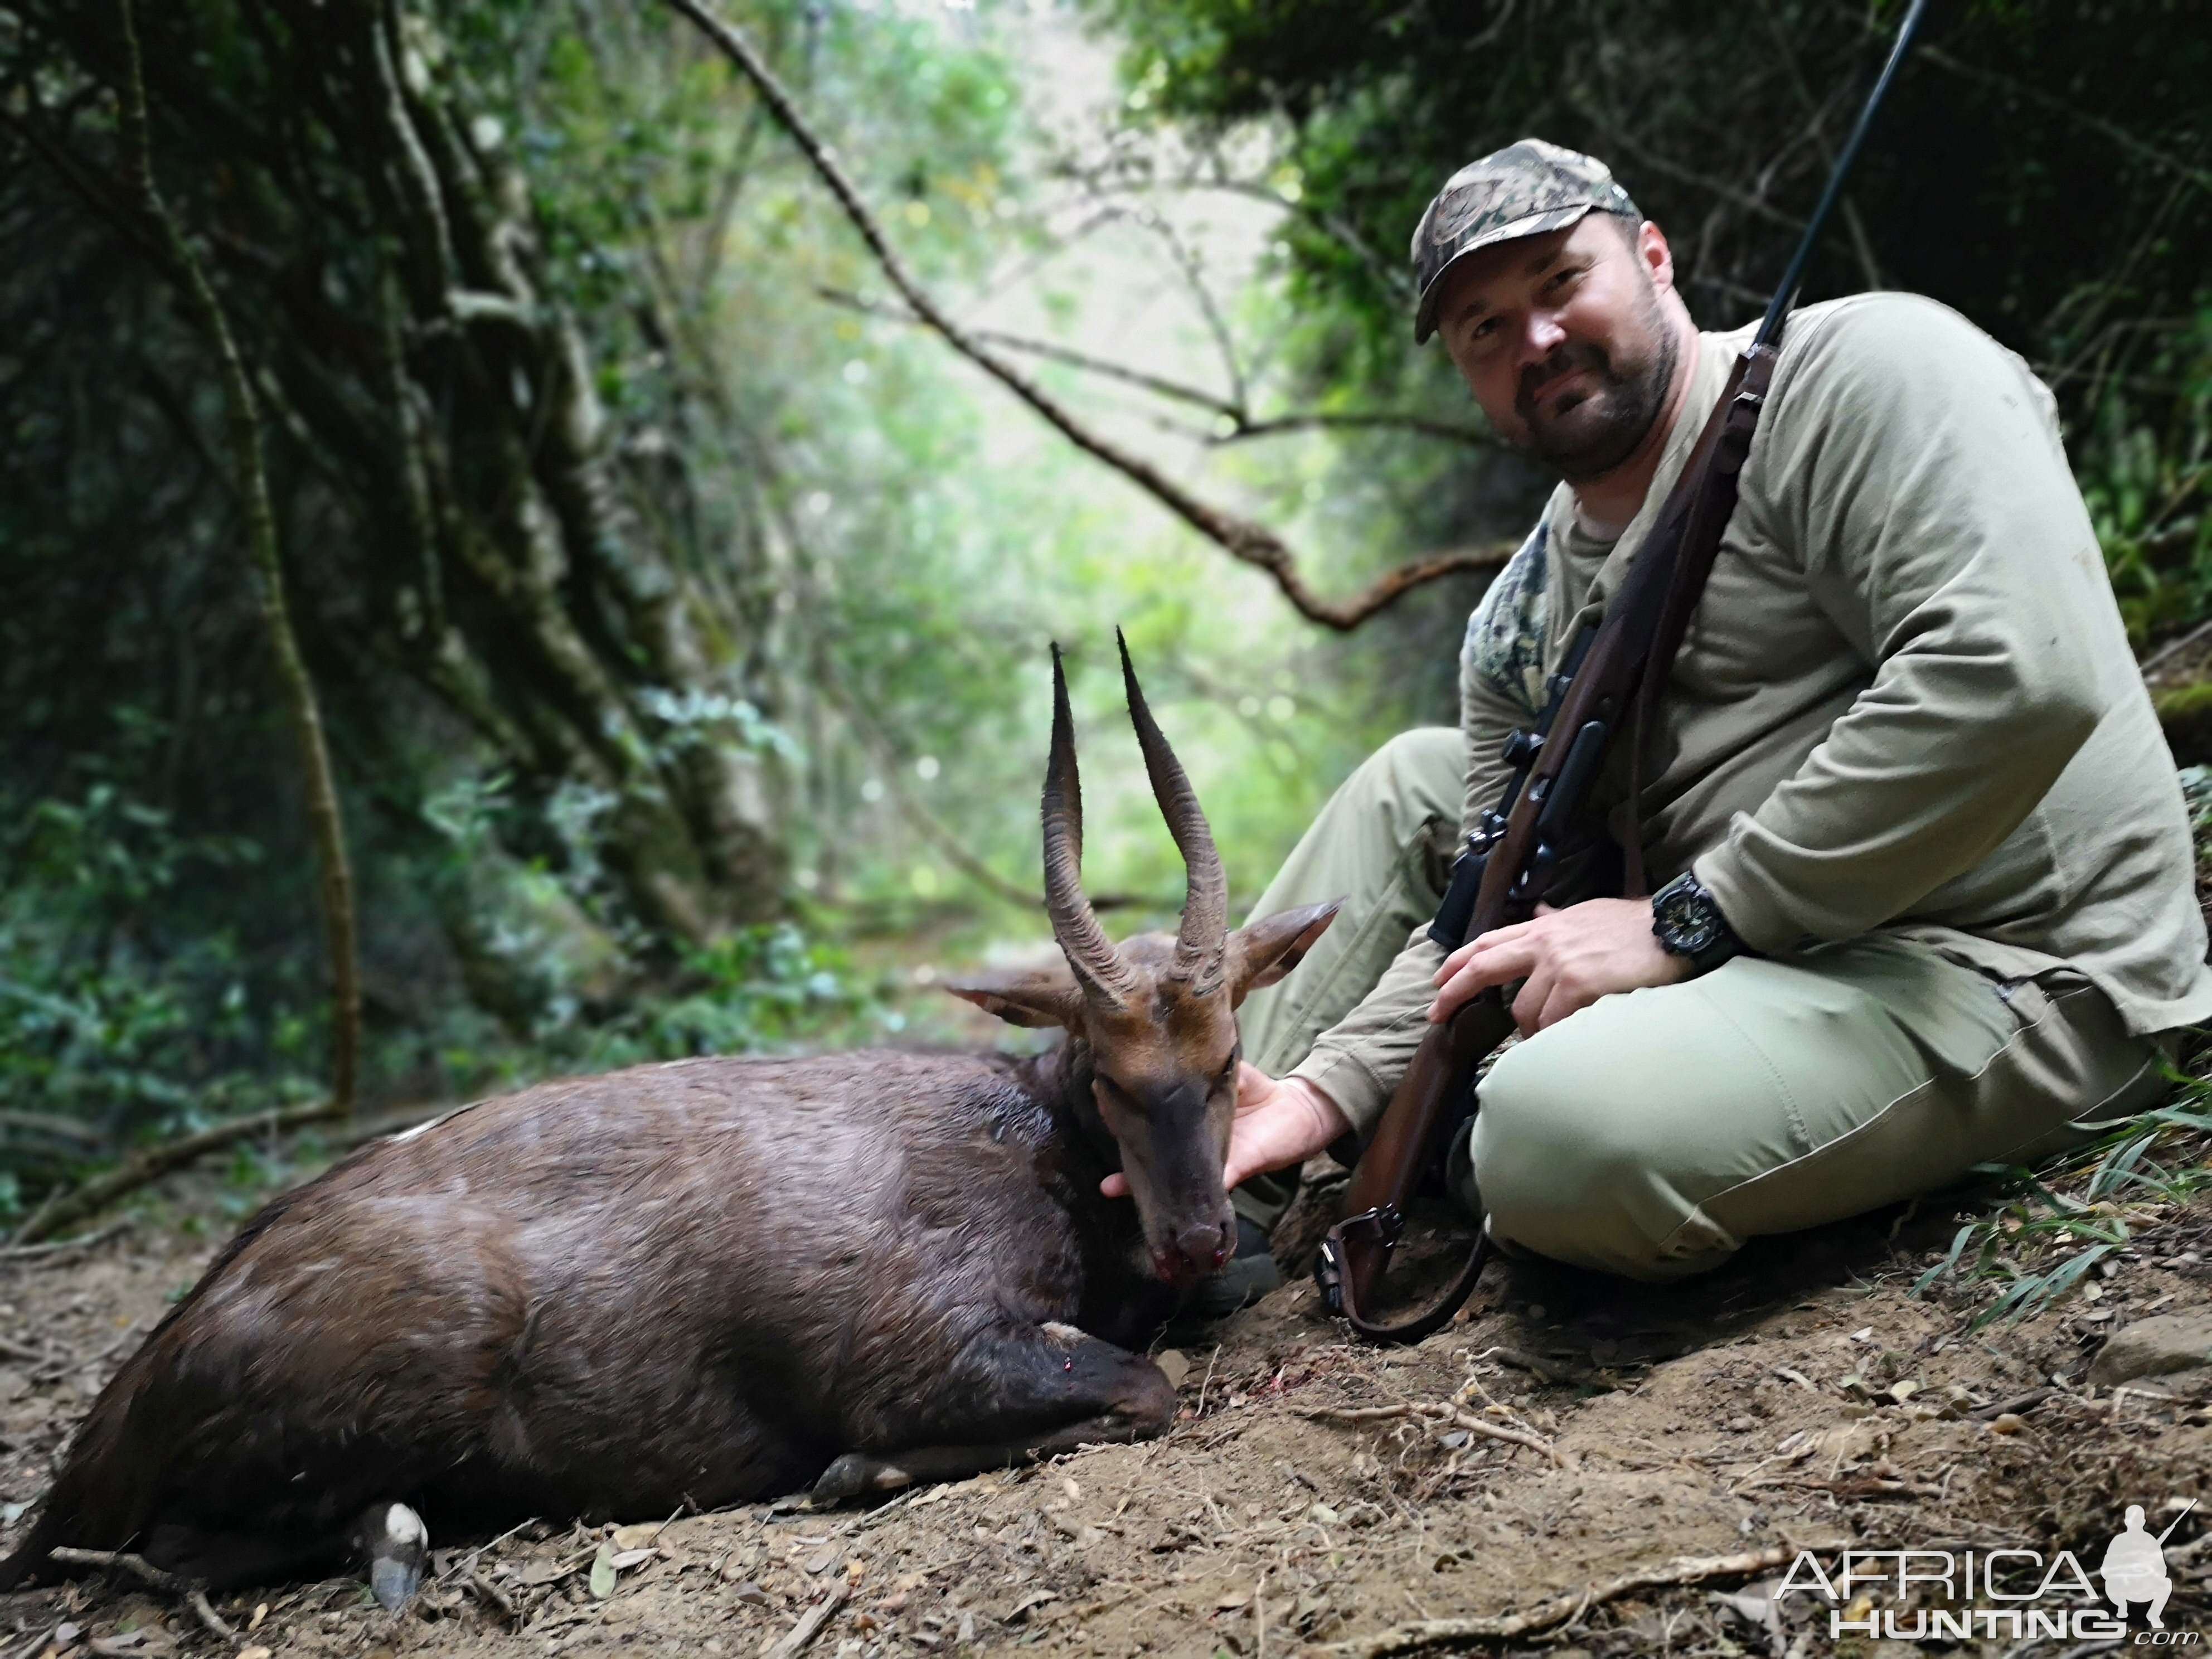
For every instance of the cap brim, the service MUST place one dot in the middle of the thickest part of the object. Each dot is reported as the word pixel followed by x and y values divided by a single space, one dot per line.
pixel 1532 224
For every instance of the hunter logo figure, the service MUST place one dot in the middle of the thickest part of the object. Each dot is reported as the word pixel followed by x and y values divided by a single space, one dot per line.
pixel 2134 1568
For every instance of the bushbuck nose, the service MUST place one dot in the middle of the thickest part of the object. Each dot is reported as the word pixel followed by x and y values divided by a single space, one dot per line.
pixel 1205 1245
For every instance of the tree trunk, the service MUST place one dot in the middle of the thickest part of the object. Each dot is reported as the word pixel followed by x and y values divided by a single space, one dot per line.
pixel 456 513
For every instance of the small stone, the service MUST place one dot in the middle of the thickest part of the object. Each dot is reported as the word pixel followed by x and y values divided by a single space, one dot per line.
pixel 2008 1423
pixel 1172 1363
pixel 820 1560
pixel 2154 1347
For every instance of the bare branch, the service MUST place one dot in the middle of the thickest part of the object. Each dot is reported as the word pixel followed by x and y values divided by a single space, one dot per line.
pixel 1434 1632
pixel 139 1567
pixel 63 1246
pixel 1052 352
pixel 1355 420
pixel 326 827
pixel 1243 424
pixel 1869 267
pixel 1194 279
pixel 2118 135
pixel 1243 539
pixel 143 1168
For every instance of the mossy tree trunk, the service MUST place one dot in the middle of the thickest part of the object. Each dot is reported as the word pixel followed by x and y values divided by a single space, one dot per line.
pixel 459 517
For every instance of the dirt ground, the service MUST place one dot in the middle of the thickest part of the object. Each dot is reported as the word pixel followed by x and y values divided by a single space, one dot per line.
pixel 1315 1495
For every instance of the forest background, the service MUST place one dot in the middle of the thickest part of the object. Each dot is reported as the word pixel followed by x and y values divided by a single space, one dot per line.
pixel 675 599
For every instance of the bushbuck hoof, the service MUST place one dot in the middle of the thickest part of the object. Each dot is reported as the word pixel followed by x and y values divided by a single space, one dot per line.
pixel 398 1546
pixel 856 1473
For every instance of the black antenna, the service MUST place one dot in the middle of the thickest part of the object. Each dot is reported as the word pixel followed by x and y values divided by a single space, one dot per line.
pixel 1786 295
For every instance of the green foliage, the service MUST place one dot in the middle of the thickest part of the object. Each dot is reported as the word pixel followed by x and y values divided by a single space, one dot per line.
pixel 757 990
pixel 2036 168
pixel 107 1018
pixel 2144 459
pixel 1995 181
pixel 2053 1228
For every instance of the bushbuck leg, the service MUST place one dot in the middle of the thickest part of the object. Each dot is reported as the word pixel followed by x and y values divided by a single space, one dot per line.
pixel 388 1541
pixel 1049 1388
pixel 398 1546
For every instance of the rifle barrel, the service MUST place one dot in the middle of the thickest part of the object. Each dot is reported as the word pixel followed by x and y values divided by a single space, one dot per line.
pixel 1770 327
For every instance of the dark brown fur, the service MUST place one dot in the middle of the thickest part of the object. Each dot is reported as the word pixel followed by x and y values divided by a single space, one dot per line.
pixel 693 1282
pixel 707 1281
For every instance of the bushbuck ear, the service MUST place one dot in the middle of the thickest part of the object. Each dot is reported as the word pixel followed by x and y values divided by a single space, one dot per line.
pixel 1260 952
pixel 1031 996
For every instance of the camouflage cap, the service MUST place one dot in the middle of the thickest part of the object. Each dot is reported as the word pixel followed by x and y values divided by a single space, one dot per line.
pixel 1524 190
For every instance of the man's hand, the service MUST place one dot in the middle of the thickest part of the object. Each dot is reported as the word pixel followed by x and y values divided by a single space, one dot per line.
pixel 1278 1122
pixel 1567 959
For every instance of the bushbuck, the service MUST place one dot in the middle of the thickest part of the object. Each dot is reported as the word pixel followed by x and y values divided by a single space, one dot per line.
pixel 712 1280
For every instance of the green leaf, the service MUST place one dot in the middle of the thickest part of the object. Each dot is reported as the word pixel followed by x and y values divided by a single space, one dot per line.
pixel 1950 1260
pixel 603 1572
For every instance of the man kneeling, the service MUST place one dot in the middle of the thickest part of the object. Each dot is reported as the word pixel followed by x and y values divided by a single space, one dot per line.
pixel 1928 898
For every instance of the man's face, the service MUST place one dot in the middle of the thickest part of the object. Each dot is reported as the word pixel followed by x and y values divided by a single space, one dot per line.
pixel 1563 340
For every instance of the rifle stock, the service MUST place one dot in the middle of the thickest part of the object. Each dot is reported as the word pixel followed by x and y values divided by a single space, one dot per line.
pixel 1421 1116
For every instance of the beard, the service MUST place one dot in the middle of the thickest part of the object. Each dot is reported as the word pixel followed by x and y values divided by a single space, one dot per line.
pixel 1590 430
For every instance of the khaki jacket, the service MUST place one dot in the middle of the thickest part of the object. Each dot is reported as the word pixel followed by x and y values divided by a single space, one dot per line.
pixel 1906 701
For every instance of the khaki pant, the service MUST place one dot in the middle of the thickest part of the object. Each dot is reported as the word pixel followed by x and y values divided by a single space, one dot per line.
pixel 1652 1132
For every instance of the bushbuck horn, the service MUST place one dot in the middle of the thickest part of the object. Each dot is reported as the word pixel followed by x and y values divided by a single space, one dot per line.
pixel 1090 954
pixel 1201 942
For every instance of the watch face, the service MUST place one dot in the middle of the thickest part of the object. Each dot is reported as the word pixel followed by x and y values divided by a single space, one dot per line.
pixel 1691 921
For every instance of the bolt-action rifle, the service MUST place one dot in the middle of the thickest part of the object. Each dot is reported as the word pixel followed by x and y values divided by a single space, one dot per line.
pixel 1542 835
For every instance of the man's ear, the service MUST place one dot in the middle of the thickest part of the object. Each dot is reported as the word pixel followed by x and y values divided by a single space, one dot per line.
pixel 1028 996
pixel 1262 952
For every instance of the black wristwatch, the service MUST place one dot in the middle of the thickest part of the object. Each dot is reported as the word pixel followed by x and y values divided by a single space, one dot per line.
pixel 1687 922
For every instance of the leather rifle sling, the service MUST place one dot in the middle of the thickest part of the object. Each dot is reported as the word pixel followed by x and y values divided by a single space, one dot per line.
pixel 1685 586
pixel 1654 602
